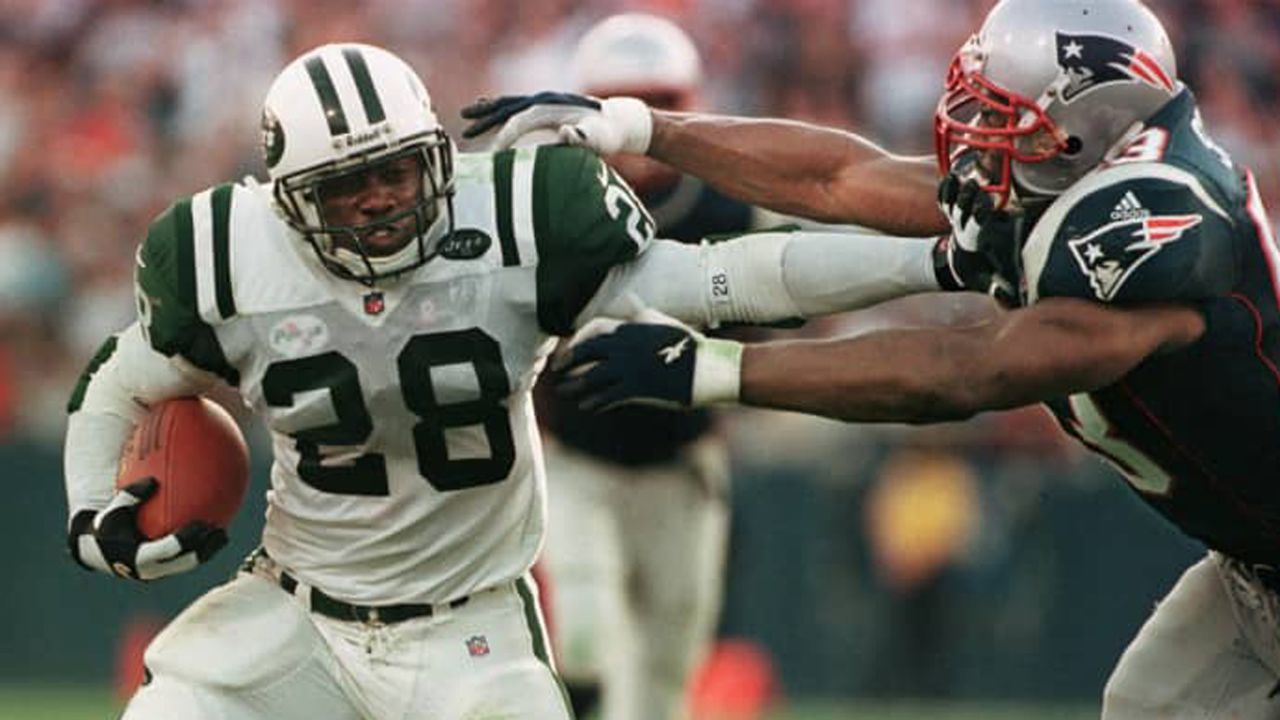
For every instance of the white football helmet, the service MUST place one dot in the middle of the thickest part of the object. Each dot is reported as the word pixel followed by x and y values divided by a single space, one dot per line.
pixel 1046 87
pixel 334 112
pixel 639 55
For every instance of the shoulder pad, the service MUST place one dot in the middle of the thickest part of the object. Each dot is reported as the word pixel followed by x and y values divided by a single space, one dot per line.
pixel 183 278
pixel 585 219
pixel 1131 233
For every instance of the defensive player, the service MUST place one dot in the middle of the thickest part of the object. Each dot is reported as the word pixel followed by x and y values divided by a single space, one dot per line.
pixel 638 497
pixel 1149 328
pixel 385 304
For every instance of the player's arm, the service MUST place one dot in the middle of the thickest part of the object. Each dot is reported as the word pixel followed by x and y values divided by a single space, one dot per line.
pixel 169 352
pixel 788 166
pixel 801 169
pixel 1052 349
pixel 766 277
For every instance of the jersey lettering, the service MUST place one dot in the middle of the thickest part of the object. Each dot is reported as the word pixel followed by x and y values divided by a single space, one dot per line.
pixel 325 451
pixel 1097 432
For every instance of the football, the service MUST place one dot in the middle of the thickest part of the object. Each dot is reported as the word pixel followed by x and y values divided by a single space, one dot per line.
pixel 197 454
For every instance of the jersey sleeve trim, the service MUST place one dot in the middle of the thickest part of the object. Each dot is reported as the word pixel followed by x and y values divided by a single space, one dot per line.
pixel 1035 254
pixel 211 218
pixel 502 165
pixel 175 280
pixel 524 215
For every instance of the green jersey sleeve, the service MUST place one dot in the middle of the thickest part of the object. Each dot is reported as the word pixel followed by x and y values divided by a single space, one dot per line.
pixel 586 219
pixel 165 280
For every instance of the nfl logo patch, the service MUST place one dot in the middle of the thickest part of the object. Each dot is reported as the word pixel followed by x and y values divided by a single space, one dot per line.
pixel 477 646
pixel 374 304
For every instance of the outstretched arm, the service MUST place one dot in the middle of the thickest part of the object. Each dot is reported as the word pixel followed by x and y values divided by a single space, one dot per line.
pixel 792 167
pixel 805 170
pixel 1054 348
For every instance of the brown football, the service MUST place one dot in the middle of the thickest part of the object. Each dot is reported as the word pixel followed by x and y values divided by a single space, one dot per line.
pixel 199 459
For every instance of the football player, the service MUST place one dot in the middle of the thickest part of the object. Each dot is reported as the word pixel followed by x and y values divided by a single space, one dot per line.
pixel 384 304
pixel 1150 318
pixel 638 497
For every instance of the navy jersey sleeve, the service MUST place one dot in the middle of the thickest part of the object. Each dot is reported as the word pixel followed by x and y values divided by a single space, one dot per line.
pixel 1142 239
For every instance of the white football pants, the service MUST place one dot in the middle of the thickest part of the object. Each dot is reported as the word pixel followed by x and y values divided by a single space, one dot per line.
pixel 635 560
pixel 247 650
pixel 1210 651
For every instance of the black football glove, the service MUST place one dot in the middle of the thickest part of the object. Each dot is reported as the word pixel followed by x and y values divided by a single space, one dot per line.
pixel 982 253
pixel 658 361
pixel 613 125
pixel 108 540
pixel 486 114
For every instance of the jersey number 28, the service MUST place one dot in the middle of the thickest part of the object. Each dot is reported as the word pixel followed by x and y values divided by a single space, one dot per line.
pixel 366 474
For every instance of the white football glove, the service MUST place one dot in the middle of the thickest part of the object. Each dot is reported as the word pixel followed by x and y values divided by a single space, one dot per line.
pixel 108 540
pixel 614 125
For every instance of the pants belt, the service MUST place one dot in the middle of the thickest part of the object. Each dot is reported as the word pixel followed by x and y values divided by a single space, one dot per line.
pixel 340 610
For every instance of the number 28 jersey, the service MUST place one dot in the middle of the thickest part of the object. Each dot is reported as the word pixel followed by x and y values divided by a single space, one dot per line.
pixel 407 467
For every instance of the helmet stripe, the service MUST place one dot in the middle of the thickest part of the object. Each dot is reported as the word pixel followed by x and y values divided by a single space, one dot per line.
pixel 364 83
pixel 328 95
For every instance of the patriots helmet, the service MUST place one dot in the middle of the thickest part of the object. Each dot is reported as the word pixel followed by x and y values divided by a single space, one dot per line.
pixel 343 117
pixel 1036 98
pixel 638 54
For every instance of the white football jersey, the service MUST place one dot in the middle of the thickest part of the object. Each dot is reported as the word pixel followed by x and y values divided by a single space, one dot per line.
pixel 407 466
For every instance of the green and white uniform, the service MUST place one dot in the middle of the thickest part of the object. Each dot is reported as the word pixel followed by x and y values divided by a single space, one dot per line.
pixel 406 466
pixel 406 459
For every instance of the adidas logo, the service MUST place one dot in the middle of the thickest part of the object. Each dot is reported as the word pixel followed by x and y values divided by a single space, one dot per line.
pixel 1129 208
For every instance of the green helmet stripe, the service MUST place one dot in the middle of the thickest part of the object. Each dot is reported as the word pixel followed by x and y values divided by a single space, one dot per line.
pixel 503 163
pixel 328 95
pixel 364 83
pixel 221 202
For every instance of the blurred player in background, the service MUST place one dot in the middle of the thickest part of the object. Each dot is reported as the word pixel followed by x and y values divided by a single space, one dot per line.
pixel 638 497
pixel 385 304
pixel 1149 320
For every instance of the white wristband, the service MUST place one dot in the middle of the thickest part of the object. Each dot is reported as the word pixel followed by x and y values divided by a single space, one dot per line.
pixel 717 372
pixel 633 120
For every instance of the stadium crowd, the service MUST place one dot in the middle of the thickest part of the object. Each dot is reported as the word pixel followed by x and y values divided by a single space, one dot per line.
pixel 111 107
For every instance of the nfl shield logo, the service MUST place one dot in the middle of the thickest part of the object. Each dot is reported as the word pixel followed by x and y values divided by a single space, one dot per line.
pixel 374 304
pixel 477 646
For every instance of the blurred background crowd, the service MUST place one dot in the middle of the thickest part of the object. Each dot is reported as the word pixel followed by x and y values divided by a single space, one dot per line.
pixel 857 552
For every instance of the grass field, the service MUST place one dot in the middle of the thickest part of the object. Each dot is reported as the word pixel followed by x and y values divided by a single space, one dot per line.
pixel 81 703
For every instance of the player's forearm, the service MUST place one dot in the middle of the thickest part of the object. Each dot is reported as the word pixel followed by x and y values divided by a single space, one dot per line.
pixel 804 170
pixel 110 398
pixel 903 375
pixel 766 277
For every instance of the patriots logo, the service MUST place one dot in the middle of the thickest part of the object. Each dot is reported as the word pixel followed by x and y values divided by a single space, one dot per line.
pixel 1109 255
pixel 1092 60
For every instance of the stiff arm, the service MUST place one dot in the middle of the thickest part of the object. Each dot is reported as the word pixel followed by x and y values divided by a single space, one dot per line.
pixel 766 277
pixel 1054 348
pixel 805 170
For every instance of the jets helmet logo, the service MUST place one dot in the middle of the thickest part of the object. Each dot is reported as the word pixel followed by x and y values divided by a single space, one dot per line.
pixel 1109 255
pixel 272 138
pixel 1092 60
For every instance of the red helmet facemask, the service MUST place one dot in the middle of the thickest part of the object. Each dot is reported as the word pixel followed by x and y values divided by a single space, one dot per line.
pixel 990 125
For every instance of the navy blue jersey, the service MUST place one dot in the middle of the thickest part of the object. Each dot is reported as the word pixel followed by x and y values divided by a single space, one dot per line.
pixel 638 435
pixel 1196 432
